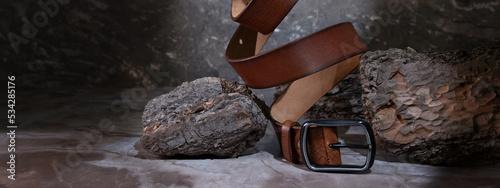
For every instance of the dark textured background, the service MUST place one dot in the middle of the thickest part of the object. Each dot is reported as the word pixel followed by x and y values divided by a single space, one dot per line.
pixel 85 77
pixel 111 43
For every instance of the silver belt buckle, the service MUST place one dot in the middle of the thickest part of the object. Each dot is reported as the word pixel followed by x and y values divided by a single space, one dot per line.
pixel 370 145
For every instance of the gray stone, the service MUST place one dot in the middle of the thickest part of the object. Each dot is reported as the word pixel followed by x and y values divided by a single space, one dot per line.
pixel 438 108
pixel 206 116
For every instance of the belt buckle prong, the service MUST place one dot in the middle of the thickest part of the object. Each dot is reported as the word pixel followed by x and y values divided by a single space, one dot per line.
pixel 370 145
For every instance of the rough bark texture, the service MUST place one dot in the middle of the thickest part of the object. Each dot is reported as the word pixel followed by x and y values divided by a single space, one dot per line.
pixel 207 116
pixel 439 108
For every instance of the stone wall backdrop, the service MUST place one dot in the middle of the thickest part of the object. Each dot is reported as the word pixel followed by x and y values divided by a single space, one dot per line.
pixel 104 43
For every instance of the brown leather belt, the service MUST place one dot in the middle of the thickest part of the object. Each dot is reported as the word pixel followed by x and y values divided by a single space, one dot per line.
pixel 314 63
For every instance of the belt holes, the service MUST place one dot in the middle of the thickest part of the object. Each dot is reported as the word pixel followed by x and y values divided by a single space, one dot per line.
pixel 241 41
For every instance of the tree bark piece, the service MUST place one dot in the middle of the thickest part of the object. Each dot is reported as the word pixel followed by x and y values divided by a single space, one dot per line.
pixel 208 116
pixel 439 108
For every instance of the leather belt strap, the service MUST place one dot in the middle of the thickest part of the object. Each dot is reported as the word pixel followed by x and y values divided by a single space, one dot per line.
pixel 289 129
pixel 314 63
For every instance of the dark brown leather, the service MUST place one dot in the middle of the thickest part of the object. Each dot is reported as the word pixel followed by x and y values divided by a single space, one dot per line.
pixel 286 134
pixel 295 60
pixel 318 141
